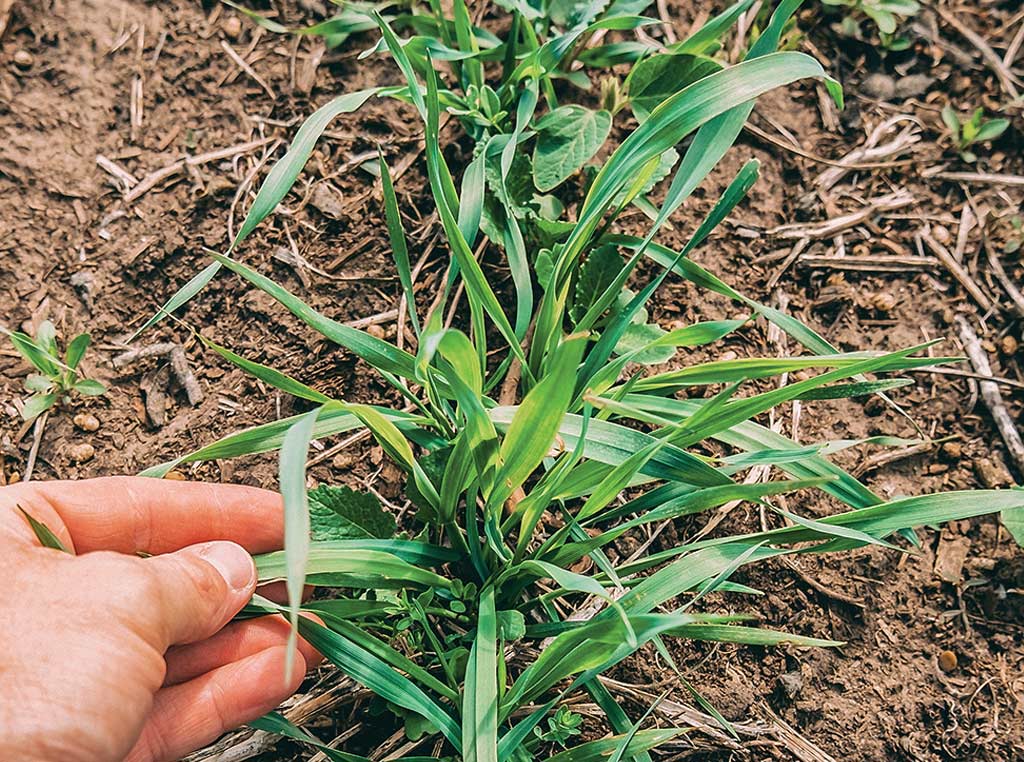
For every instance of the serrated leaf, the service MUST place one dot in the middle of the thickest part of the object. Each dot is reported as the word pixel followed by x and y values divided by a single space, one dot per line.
pixel 567 138
pixel 341 513
pixel 511 625
pixel 596 274
pixel 516 191
pixel 637 336
pixel 659 172
pixel 656 78
pixel 571 13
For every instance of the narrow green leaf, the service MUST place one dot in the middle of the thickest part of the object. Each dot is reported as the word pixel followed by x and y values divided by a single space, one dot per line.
pixel 76 350
pixel 480 702
pixel 43 533
pixel 292 470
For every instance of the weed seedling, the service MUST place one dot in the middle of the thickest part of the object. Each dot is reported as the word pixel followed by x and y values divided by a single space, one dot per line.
pixel 58 377
pixel 971 131
pixel 886 15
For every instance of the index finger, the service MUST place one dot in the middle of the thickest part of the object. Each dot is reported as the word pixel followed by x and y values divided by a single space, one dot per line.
pixel 129 514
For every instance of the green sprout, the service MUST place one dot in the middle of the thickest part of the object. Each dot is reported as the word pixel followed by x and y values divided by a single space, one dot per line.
pixel 562 726
pixel 58 377
pixel 886 15
pixel 971 131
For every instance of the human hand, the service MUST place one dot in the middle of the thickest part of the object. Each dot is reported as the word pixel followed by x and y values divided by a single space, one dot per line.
pixel 108 656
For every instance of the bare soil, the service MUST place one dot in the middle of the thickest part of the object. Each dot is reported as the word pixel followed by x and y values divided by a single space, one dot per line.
pixel 74 251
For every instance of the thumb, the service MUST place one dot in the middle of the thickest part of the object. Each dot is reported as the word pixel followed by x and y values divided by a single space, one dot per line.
pixel 198 590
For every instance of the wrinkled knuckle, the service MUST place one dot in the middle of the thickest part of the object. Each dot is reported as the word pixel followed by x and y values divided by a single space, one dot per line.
pixel 218 704
pixel 153 745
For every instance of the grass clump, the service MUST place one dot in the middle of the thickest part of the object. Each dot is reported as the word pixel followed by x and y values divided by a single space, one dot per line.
pixel 535 436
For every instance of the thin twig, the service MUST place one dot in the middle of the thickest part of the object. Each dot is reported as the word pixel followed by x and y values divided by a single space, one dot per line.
pixel 990 393
pixel 874 263
pixel 957 271
pixel 1004 280
pixel 967 374
pixel 244 66
pixel 126 178
pixel 974 177
pixel 1001 70
pixel 825 590
pixel 863 156
pixel 156 177
pixel 37 436
pixel 830 228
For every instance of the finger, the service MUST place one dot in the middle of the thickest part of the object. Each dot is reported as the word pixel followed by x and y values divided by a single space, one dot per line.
pixel 194 592
pixel 278 592
pixel 188 716
pixel 131 514
pixel 235 642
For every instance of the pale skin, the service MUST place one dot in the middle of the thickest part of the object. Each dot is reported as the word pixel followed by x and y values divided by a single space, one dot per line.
pixel 107 655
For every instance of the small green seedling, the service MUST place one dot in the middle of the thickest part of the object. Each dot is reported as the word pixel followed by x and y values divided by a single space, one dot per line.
pixel 887 16
pixel 58 376
pixel 562 726
pixel 976 129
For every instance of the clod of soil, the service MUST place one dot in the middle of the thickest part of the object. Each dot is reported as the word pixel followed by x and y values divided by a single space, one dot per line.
pixel 80 453
pixel 86 422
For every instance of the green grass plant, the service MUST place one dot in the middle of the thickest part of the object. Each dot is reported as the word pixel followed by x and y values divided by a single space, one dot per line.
pixel 505 594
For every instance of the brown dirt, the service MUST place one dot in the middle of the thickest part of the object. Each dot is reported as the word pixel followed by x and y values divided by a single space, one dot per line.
pixel 63 222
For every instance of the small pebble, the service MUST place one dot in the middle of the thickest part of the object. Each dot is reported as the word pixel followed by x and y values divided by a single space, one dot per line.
pixel 376 331
pixel 80 453
pixel 992 474
pixel 947 661
pixel 175 476
pixel 1009 344
pixel 232 26
pixel 941 234
pixel 342 460
pixel 952 451
pixel 874 406
pixel 791 683
pixel 913 85
pixel 23 59
pixel 880 86
pixel 86 422
pixel 883 301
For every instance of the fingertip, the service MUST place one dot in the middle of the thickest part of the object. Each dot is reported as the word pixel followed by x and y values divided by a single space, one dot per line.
pixel 232 562
pixel 309 653
pixel 291 679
